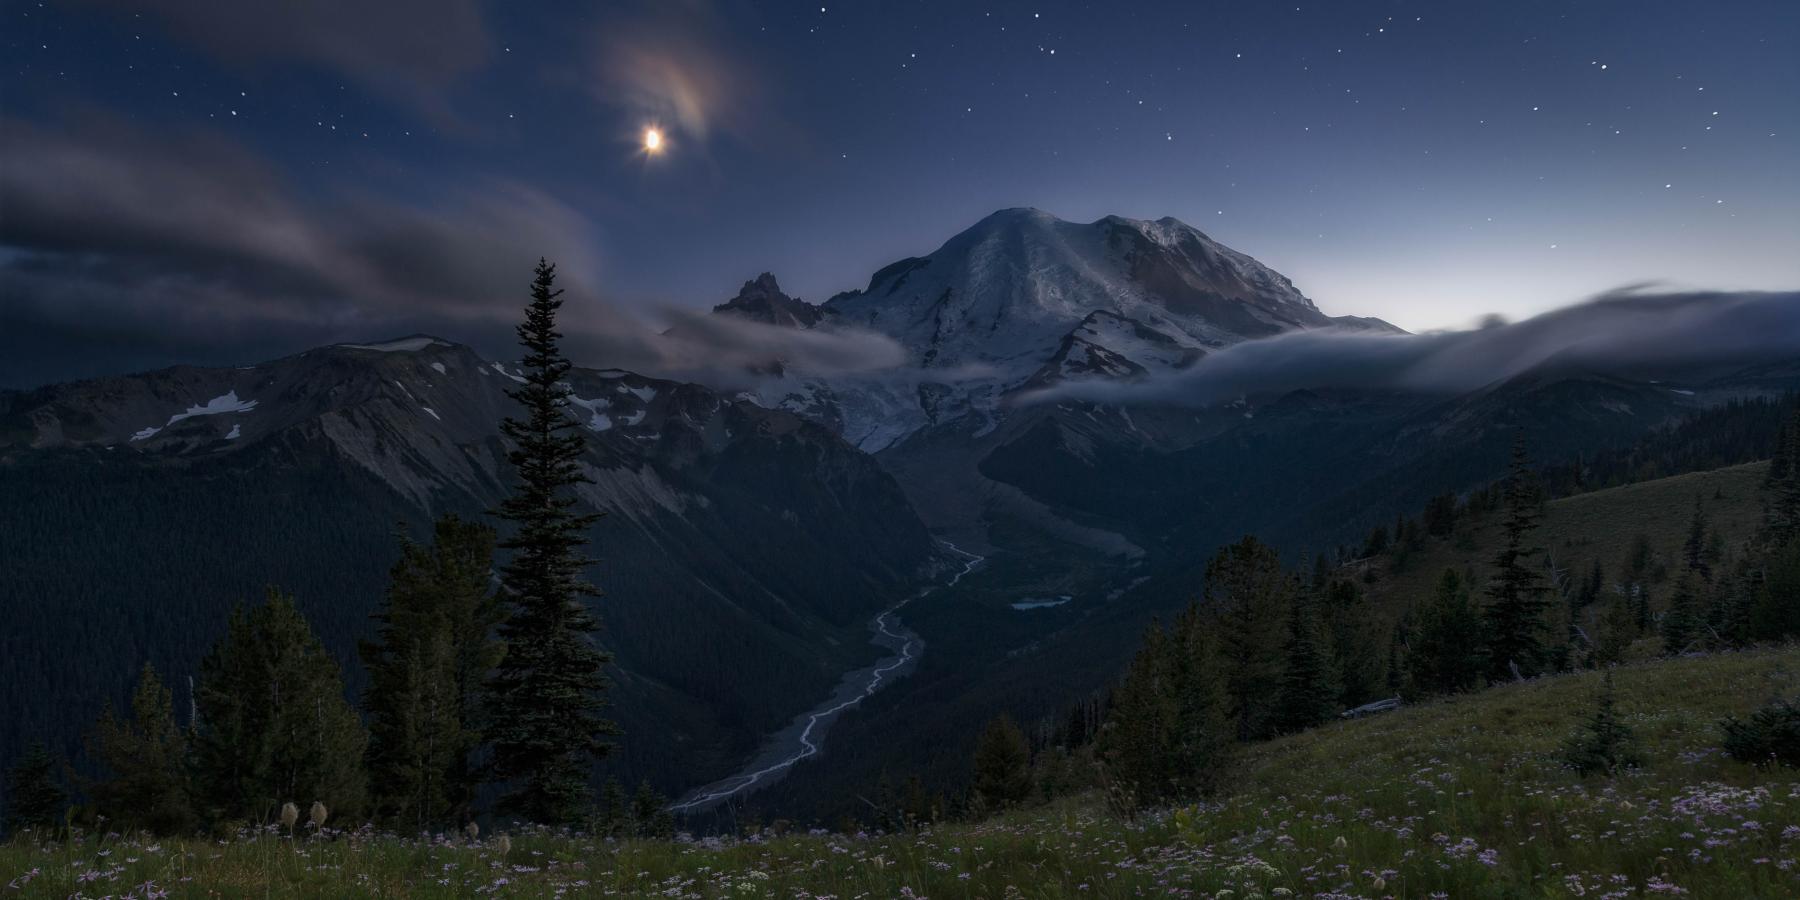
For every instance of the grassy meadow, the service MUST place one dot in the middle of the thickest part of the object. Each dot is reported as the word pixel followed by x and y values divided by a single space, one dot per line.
pixel 1599 525
pixel 1464 797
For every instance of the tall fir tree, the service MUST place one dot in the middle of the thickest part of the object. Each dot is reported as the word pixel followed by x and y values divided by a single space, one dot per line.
pixel 1203 729
pixel 1696 551
pixel 1249 598
pixel 1002 764
pixel 1308 694
pixel 274 726
pixel 1446 655
pixel 1359 643
pixel 1592 587
pixel 1518 599
pixel 1640 607
pixel 34 798
pixel 428 664
pixel 1684 625
pixel 145 758
pixel 1617 630
pixel 548 693
pixel 1169 731
pixel 1136 745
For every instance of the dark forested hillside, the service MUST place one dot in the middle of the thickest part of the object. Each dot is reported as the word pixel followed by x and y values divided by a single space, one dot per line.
pixel 742 553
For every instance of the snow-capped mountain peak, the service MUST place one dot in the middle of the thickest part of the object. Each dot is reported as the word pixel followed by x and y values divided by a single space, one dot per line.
pixel 1007 290
pixel 1023 298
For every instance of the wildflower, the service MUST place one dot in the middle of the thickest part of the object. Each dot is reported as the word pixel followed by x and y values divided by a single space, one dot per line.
pixel 318 814
pixel 289 815
pixel 473 831
pixel 504 844
pixel 1340 843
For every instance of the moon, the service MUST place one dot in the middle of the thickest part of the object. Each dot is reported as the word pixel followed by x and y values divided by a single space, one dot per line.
pixel 653 140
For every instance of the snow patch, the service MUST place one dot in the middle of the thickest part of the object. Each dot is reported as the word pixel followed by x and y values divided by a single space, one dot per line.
pixel 440 367
pixel 236 432
pixel 227 402
pixel 502 370
pixel 433 413
pixel 1031 603
pixel 597 418
pixel 146 434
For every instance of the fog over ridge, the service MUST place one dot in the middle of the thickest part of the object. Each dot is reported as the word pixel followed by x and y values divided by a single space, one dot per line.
pixel 1623 332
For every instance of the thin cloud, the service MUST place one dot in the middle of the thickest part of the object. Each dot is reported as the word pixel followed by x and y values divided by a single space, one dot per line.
pixel 1621 333
pixel 196 244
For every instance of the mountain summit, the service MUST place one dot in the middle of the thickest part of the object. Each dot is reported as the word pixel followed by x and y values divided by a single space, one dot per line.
pixel 1009 289
pixel 1022 299
pixel 761 300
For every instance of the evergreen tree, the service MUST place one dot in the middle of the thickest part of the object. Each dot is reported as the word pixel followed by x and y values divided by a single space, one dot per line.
pixel 1640 560
pixel 1137 744
pixel 433 650
pixel 1359 642
pixel 34 799
pixel 1377 542
pixel 1321 573
pixel 1517 597
pixel 650 814
pixel 1249 597
pixel 1440 515
pixel 1734 601
pixel 1446 654
pixel 1696 551
pixel 1169 731
pixel 1640 607
pixel 1781 486
pixel 614 811
pixel 1200 745
pixel 1309 692
pixel 1604 743
pixel 1774 614
pixel 274 726
pixel 1617 629
pixel 917 806
pixel 1591 587
pixel 1685 622
pixel 1002 764
pixel 146 757
pixel 1771 736
pixel 548 693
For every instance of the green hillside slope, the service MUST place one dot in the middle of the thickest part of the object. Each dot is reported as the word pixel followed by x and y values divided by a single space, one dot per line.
pixel 1578 531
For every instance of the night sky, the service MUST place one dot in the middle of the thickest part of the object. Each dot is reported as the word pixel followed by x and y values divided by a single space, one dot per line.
pixel 199 181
